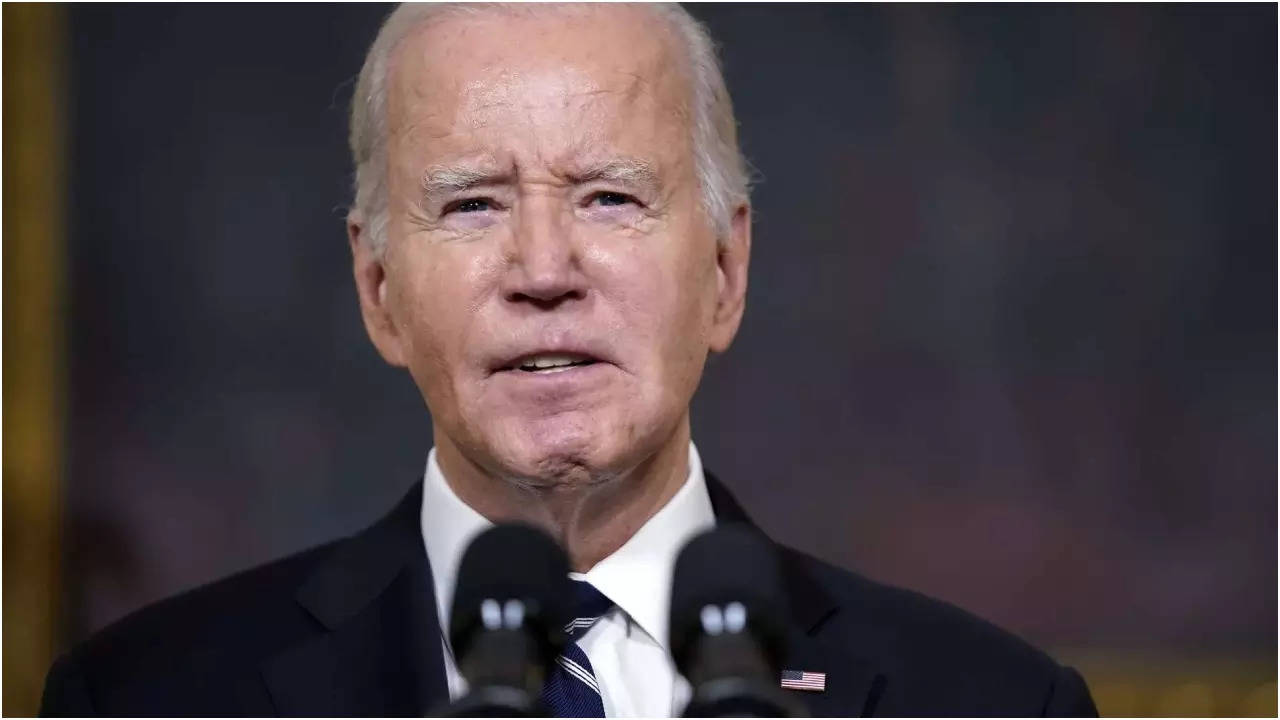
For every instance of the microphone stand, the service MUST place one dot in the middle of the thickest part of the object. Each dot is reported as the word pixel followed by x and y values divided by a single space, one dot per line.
pixel 503 682
pixel 731 679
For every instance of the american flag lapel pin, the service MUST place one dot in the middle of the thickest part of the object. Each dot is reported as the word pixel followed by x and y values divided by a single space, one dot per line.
pixel 804 680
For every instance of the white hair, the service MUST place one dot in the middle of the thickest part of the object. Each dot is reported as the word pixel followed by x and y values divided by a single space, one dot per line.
pixel 718 162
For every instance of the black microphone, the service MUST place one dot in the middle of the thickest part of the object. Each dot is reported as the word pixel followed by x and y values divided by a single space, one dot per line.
pixel 509 611
pixel 728 628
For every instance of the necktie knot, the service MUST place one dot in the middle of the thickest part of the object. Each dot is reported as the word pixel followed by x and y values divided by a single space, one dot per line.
pixel 588 605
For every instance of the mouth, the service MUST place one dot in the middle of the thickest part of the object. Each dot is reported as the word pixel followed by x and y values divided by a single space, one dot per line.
pixel 548 363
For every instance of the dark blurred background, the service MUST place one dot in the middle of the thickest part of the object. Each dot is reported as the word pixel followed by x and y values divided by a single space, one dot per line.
pixel 1010 339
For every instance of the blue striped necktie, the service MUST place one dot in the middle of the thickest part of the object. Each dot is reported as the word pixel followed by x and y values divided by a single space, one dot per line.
pixel 571 689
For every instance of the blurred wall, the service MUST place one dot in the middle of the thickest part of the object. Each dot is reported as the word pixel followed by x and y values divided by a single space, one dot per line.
pixel 1010 336
pixel 34 339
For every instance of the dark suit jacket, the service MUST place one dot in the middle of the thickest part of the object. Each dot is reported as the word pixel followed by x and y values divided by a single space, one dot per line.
pixel 350 628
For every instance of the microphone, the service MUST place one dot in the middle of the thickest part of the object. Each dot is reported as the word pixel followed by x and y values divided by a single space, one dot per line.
pixel 728 626
pixel 507 626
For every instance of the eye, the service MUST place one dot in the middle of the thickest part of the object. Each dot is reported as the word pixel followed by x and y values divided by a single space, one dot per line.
pixel 612 198
pixel 469 205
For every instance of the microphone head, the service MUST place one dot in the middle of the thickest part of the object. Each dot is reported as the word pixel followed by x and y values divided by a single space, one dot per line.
pixel 511 577
pixel 728 581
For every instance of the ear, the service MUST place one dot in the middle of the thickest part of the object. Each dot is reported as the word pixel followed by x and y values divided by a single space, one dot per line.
pixel 371 287
pixel 733 255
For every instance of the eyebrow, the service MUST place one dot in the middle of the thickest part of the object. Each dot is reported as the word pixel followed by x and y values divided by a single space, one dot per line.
pixel 446 179
pixel 627 171
pixel 439 180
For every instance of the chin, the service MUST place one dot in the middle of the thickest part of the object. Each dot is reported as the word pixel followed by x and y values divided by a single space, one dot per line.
pixel 564 450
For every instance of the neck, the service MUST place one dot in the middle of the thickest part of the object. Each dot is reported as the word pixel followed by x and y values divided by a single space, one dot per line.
pixel 591 517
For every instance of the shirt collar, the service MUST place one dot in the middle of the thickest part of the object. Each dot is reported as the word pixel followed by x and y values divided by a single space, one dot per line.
pixel 448 526
pixel 636 577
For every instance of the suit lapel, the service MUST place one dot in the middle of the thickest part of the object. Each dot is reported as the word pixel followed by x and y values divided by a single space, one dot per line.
pixel 853 683
pixel 379 652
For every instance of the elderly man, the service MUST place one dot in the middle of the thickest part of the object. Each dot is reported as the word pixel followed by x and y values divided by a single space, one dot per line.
pixel 551 232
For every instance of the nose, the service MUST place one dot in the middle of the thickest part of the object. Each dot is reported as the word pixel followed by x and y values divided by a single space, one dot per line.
pixel 545 262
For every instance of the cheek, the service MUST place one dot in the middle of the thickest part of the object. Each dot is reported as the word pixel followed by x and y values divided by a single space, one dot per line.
pixel 696 306
pixel 665 295
pixel 440 290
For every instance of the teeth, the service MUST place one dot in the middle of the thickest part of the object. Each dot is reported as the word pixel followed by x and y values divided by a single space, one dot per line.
pixel 543 362
pixel 556 369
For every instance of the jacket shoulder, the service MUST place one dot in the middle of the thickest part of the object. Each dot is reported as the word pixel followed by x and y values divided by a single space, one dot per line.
pixel 201 648
pixel 938 659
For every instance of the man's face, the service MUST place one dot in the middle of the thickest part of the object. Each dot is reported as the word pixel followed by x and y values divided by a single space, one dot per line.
pixel 549 279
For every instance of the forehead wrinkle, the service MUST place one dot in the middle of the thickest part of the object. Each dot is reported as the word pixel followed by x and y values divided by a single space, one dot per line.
pixel 648 82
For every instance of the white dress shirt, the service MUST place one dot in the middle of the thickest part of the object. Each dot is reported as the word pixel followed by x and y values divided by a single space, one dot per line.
pixel 628 646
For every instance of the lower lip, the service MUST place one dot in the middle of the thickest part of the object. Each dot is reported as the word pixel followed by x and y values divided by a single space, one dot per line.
pixel 575 377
